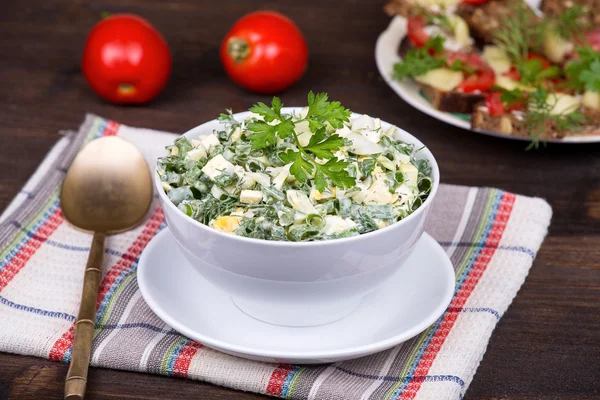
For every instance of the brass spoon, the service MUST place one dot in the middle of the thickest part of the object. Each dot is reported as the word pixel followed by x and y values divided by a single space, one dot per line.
pixel 107 189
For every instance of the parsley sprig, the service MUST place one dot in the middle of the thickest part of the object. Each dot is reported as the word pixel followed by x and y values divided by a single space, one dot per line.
pixel 420 60
pixel 322 115
pixel 583 73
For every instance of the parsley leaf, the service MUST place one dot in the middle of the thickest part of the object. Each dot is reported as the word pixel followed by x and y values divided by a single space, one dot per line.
pixel 263 135
pixel 322 115
pixel 419 61
pixel 320 111
pixel 510 97
pixel 322 147
pixel 591 77
pixel 300 167
pixel 335 170
pixel 285 128
pixel 270 114
pixel 582 73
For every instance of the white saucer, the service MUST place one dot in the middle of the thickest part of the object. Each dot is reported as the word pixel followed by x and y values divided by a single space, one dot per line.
pixel 403 307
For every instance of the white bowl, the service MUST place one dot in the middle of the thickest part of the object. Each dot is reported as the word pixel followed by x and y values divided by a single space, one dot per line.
pixel 298 283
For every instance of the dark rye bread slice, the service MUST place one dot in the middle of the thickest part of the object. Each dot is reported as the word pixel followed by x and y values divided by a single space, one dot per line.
pixel 454 101
pixel 485 19
pixel 512 123
pixel 555 7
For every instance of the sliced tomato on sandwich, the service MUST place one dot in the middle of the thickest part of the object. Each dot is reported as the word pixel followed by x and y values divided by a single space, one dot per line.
pixel 496 107
pixel 480 76
pixel 416 31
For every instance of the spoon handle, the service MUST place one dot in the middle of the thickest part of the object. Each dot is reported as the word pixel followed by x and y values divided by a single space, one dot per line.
pixel 84 327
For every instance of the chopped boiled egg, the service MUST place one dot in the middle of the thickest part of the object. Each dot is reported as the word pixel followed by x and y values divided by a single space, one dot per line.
pixel 210 141
pixel 335 225
pixel 284 173
pixel 406 194
pixel 363 122
pixel 226 224
pixel 360 145
pixel 326 195
pixel 216 166
pixel 299 201
pixel 236 135
pixel 251 196
pixel 303 132
pixel 196 153
pixel 262 179
pixel 410 173
pixel 379 192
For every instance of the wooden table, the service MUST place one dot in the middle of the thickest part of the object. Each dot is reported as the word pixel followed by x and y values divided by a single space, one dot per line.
pixel 548 343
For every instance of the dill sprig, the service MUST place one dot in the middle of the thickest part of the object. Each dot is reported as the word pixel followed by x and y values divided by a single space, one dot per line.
pixel 540 118
pixel 571 23
pixel 519 32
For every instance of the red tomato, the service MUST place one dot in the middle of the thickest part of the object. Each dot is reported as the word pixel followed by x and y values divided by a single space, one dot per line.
pixel 126 60
pixel 482 78
pixel 494 104
pixel 593 39
pixel 496 107
pixel 474 2
pixel 416 31
pixel 472 60
pixel 513 74
pixel 264 52
pixel 482 81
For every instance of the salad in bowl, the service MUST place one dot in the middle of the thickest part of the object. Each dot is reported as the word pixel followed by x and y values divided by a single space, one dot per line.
pixel 297 212
pixel 316 174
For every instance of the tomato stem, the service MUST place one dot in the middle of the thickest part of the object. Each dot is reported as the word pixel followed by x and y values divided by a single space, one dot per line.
pixel 238 49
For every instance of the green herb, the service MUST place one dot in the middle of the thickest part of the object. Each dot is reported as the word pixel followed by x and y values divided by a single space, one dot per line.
pixel 440 20
pixel 227 118
pixel 320 112
pixel 226 179
pixel 584 73
pixel 518 33
pixel 315 220
pixel 570 22
pixel 539 117
pixel 323 147
pixel 591 77
pixel 510 97
pixel 419 61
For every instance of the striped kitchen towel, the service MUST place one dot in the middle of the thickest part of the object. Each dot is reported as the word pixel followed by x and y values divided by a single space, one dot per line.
pixel 491 236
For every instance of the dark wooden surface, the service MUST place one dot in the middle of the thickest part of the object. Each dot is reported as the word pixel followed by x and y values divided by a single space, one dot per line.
pixel 547 346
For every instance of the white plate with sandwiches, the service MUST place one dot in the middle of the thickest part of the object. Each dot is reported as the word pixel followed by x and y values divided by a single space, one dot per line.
pixel 509 125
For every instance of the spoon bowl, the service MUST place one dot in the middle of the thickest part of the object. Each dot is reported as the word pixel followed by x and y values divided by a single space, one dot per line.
pixel 108 187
